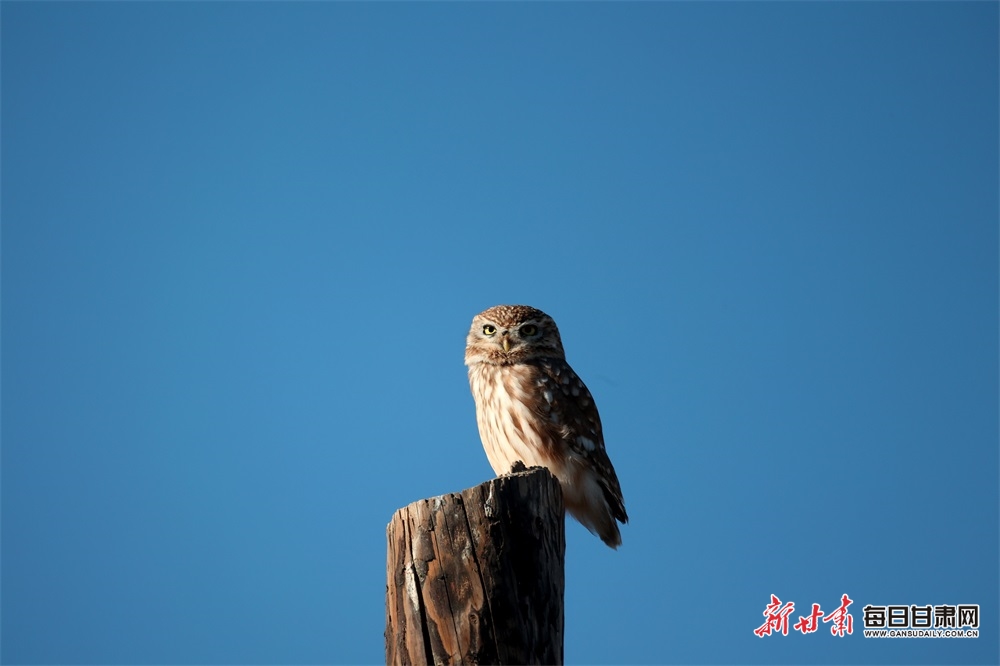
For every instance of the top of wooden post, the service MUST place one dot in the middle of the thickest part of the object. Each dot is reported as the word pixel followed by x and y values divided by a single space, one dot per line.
pixel 477 577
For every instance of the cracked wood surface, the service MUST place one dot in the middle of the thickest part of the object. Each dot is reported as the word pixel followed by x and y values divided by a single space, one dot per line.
pixel 477 577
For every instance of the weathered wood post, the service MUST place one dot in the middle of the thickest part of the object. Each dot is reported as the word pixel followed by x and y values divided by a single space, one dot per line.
pixel 477 577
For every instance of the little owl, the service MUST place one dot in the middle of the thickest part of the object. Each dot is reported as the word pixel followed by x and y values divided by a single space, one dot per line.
pixel 532 407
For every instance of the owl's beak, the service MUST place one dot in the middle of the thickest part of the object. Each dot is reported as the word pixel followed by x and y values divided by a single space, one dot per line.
pixel 506 343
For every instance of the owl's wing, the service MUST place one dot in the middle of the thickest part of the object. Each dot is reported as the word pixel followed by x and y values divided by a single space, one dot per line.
pixel 572 417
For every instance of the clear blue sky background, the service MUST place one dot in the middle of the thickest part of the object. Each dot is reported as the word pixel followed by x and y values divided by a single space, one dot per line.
pixel 242 244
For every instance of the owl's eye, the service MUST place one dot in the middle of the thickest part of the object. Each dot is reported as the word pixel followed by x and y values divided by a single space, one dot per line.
pixel 529 329
pixel 489 329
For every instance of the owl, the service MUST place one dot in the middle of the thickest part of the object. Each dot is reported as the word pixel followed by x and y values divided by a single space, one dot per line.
pixel 532 407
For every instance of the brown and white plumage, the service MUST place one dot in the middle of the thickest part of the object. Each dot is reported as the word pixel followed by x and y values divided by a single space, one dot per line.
pixel 532 407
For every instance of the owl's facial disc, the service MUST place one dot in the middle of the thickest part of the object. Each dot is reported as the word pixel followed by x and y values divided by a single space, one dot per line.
pixel 511 334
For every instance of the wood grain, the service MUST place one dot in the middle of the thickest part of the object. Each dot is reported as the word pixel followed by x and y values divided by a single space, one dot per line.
pixel 477 577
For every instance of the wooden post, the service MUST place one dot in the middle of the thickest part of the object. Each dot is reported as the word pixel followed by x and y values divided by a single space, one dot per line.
pixel 477 577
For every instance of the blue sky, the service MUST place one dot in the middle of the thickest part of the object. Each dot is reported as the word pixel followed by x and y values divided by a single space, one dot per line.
pixel 242 244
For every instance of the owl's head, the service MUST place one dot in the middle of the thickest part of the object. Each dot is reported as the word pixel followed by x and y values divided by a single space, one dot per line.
pixel 507 334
